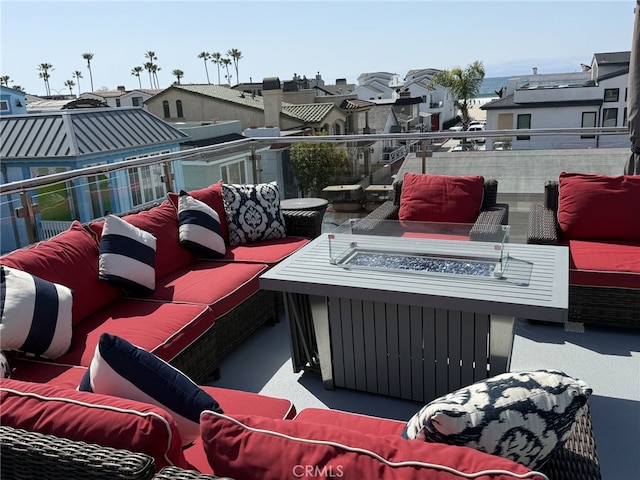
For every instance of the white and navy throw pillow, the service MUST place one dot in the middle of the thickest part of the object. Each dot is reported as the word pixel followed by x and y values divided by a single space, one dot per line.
pixel 199 228
pixel 127 256
pixel 253 212
pixel 522 416
pixel 5 370
pixel 123 370
pixel 36 314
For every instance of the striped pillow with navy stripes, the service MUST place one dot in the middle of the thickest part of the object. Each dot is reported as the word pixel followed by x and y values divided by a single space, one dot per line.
pixel 127 256
pixel 35 314
pixel 199 227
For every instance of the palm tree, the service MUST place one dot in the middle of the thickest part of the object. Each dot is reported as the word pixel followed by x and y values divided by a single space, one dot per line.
pixel 463 84
pixel 149 67
pixel 88 57
pixel 44 74
pixel 77 75
pixel 236 55
pixel 155 69
pixel 4 80
pixel 226 62
pixel 217 59
pixel 70 84
pixel 135 71
pixel 205 56
pixel 178 74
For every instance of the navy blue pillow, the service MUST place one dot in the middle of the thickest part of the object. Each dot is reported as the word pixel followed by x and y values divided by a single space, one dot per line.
pixel 123 370
pixel 199 227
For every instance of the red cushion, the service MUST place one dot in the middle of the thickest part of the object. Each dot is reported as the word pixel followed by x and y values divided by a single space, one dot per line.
pixel 220 285
pixel 270 449
pixel 599 207
pixel 164 329
pixel 604 264
pixel 92 418
pixel 353 421
pixel 266 251
pixel 70 259
pixel 43 371
pixel 238 402
pixel 441 198
pixel 212 196
pixel 162 223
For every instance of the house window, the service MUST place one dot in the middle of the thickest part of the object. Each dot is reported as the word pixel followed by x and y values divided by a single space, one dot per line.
pixel 146 183
pixel 611 94
pixel 610 117
pixel 165 107
pixel 137 101
pixel 624 117
pixel 180 114
pixel 118 102
pixel 588 121
pixel 523 122
pixel 4 106
pixel 233 172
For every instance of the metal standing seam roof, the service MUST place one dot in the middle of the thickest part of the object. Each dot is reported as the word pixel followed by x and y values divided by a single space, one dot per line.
pixel 73 133
pixel 309 113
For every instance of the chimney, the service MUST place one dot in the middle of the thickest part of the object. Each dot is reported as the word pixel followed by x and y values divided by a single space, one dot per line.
pixel 272 100
pixel 535 70
pixel 121 88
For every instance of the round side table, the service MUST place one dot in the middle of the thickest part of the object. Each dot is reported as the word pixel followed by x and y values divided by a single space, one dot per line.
pixel 310 205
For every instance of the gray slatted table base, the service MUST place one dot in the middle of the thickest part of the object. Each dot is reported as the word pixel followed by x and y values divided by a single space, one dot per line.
pixel 407 335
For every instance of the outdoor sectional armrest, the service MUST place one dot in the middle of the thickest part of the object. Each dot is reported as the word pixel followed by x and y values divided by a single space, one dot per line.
pixel 542 227
pixel 387 211
pixel 488 226
pixel 175 473
pixel 26 453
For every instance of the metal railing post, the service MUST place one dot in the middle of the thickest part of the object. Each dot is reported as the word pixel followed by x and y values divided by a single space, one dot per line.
pixel 167 176
pixel 28 211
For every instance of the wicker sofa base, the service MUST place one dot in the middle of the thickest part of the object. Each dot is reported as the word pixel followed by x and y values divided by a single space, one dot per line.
pixel 604 306
pixel 203 357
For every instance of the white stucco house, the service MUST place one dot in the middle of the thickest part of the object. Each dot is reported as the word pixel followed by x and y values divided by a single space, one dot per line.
pixel 593 97
pixel 123 97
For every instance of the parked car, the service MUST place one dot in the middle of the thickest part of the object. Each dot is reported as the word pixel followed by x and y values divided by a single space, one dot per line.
pixel 477 128
pixel 456 128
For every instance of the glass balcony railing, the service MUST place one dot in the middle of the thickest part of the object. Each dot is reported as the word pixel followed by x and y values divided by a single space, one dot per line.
pixel 37 208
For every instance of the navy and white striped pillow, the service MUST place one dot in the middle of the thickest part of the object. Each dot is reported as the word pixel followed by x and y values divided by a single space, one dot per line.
pixel 199 227
pixel 127 256
pixel 124 370
pixel 36 314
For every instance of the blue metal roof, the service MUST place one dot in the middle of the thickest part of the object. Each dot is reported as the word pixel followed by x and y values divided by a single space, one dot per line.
pixel 74 133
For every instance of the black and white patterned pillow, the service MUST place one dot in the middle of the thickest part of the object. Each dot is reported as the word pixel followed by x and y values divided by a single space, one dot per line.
pixel 522 416
pixel 199 228
pixel 5 370
pixel 127 256
pixel 36 314
pixel 253 212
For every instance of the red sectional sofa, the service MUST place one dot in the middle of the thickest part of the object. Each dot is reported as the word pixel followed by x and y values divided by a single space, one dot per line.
pixel 598 219
pixel 199 309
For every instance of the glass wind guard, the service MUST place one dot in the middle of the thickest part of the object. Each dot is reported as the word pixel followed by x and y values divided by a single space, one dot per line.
pixel 421 247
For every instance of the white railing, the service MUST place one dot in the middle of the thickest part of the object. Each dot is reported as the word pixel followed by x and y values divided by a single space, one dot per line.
pixel 51 228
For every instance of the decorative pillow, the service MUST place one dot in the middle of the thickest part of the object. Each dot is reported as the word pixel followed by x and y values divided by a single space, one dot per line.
pixel 5 370
pixel 599 207
pixel 253 212
pixel 127 256
pixel 199 227
pixel 441 198
pixel 36 314
pixel 124 370
pixel 212 196
pixel 522 416
pixel 92 418
pixel 250 446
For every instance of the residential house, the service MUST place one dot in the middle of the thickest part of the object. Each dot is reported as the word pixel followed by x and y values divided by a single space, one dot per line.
pixel 12 102
pixel 121 97
pixel 33 145
pixel 593 97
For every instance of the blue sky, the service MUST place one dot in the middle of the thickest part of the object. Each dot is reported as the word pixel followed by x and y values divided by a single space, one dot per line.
pixel 338 39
